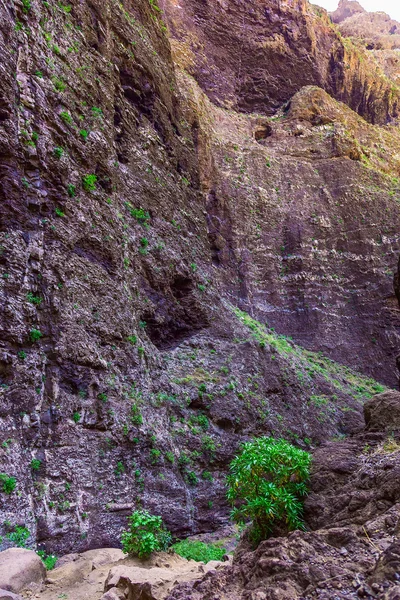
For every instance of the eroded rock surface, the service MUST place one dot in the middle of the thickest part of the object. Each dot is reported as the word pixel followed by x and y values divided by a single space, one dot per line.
pixel 145 215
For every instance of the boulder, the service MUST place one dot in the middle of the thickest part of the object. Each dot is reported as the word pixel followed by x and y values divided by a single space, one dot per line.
pixel 71 572
pixel 4 595
pixel 382 412
pixel 156 582
pixel 19 568
pixel 113 594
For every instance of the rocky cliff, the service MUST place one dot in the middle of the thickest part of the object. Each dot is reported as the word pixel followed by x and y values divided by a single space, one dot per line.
pixel 178 205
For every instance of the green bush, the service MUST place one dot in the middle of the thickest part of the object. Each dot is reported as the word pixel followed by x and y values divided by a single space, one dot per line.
pixel 7 483
pixel 195 550
pixel 89 182
pixel 146 534
pixel 35 335
pixel 35 464
pixel 49 560
pixel 268 478
pixel 18 536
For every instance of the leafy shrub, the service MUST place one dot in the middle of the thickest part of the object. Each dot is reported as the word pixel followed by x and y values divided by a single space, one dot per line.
pixel 71 190
pixel 195 550
pixel 7 483
pixel 49 560
pixel 35 335
pixel 269 478
pixel 18 536
pixel 141 216
pixel 89 182
pixel 33 299
pixel 35 464
pixel 66 117
pixel 146 534
pixel 76 417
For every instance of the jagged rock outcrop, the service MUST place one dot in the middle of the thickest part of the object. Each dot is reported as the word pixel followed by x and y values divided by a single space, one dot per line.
pixel 376 30
pixel 141 225
pixel 257 63
pixel 353 513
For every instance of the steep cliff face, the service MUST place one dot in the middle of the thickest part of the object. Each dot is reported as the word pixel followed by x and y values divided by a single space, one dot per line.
pixel 253 56
pixel 143 222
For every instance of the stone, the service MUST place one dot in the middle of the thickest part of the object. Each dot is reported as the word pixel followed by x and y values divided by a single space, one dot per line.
pixel 19 568
pixel 382 412
pixel 4 595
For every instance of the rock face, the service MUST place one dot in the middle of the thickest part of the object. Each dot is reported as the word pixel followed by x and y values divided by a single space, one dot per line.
pixel 19 568
pixel 151 225
pixel 352 550
pixel 257 63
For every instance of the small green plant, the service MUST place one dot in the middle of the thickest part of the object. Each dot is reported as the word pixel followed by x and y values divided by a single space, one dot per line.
pixel 207 476
pixel 199 551
pixel 33 299
pixel 66 117
pixel 26 6
pixel 155 456
pixel 119 469
pixel 58 151
pixel 35 335
pixel 71 190
pixel 141 216
pixel 18 536
pixel 8 483
pixel 192 478
pixel 132 339
pixel 49 560
pixel 96 111
pixel 144 242
pixel 89 182
pixel 22 355
pixel 35 464
pixel 146 534
pixel 268 478
pixel 59 213
pixel 136 417
pixel 169 456
pixel 76 417
pixel 84 134
pixel 59 85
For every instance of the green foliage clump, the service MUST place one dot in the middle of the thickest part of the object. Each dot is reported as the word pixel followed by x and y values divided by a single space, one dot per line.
pixel 146 534
pixel 141 216
pixel 33 299
pixel 18 536
pixel 71 190
pixel 35 335
pixel 66 117
pixel 8 483
pixel 195 550
pixel 58 151
pixel 35 464
pixel 76 417
pixel 89 182
pixel 49 560
pixel 269 478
